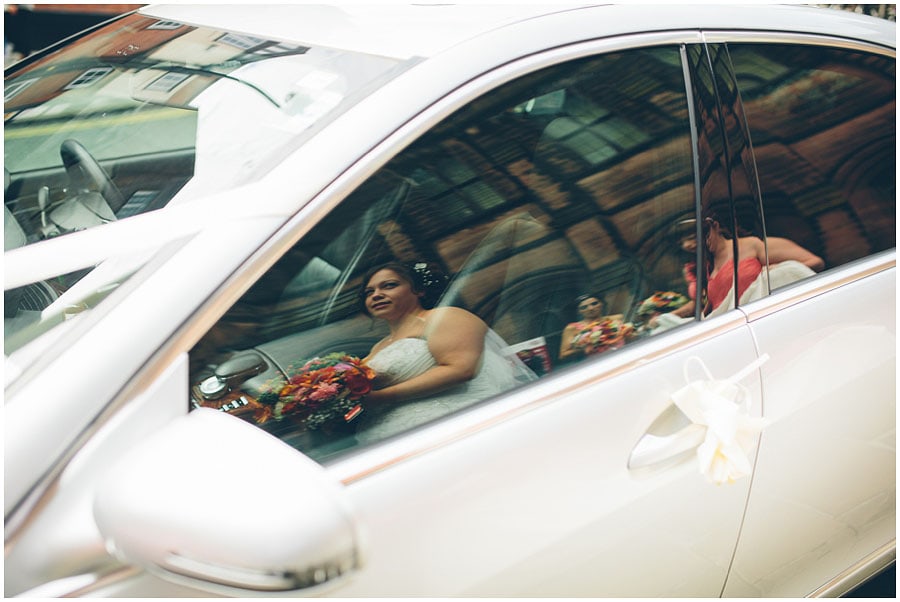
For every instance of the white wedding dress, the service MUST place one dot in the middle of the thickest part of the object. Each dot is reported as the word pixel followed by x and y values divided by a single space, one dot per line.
pixel 500 370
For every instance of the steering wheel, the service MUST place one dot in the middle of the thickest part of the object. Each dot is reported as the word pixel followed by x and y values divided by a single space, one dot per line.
pixel 86 173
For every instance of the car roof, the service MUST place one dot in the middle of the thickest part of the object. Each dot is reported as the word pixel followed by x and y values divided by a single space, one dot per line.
pixel 394 30
pixel 425 30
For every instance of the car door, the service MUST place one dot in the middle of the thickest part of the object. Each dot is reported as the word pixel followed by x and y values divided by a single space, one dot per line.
pixel 826 471
pixel 579 176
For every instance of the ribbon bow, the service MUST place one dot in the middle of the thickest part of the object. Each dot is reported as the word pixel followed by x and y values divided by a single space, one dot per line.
pixel 723 408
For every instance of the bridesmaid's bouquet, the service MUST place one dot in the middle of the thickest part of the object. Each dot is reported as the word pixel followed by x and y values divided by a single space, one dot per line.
pixel 604 334
pixel 325 391
pixel 660 303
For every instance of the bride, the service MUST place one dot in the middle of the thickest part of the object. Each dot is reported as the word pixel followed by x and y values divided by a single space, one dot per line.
pixel 436 360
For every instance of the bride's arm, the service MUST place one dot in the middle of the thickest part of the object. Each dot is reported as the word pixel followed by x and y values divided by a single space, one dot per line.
pixel 782 249
pixel 456 340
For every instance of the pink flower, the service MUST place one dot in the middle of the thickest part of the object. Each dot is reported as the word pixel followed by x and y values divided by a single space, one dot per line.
pixel 324 392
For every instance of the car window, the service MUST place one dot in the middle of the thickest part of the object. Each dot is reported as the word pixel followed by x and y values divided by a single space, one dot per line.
pixel 823 129
pixel 37 314
pixel 555 209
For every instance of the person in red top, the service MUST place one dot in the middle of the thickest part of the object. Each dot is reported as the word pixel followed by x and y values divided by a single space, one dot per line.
pixel 751 259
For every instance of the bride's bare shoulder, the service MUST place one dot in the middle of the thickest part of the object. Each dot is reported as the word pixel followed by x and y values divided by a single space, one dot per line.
pixel 453 318
pixel 449 312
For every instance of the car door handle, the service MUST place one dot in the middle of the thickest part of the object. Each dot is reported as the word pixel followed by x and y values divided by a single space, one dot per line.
pixel 710 415
pixel 654 449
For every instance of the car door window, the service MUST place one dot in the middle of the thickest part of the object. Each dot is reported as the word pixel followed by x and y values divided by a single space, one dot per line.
pixel 822 122
pixel 569 186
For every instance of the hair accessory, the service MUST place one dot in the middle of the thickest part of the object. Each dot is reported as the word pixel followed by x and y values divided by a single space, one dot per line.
pixel 427 278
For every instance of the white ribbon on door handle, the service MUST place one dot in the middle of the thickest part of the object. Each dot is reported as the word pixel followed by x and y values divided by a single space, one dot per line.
pixel 723 408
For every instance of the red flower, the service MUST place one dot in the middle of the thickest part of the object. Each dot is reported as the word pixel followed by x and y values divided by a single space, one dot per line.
pixel 358 383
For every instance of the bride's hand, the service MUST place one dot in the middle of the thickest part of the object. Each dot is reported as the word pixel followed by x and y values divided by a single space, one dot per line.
pixel 378 396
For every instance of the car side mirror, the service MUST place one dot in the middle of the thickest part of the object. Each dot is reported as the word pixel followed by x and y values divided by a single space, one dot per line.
pixel 215 500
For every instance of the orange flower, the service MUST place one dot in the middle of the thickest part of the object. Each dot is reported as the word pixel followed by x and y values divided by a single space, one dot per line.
pixel 358 383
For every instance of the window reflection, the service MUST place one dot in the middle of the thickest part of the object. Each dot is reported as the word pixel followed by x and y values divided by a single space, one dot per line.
pixel 823 127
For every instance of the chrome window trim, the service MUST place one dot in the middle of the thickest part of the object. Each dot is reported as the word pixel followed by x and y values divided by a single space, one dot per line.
pixel 819 284
pixel 776 37
pixel 856 575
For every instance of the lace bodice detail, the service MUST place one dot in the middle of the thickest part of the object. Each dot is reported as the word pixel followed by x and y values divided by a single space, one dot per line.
pixel 401 360
pixel 498 371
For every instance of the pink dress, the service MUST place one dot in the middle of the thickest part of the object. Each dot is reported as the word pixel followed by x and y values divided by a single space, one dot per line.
pixel 720 284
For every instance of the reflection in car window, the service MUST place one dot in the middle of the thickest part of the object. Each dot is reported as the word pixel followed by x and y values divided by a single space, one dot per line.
pixel 577 179
pixel 822 122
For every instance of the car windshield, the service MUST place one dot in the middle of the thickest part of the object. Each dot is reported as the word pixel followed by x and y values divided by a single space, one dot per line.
pixel 141 114
pixel 146 112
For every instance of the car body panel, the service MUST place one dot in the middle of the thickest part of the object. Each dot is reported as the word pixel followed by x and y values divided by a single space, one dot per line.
pixel 66 524
pixel 74 410
pixel 841 413
pixel 568 506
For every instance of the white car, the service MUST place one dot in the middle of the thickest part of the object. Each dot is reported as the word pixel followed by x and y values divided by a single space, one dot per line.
pixel 193 194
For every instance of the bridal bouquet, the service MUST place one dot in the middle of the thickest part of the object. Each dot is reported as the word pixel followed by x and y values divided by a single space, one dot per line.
pixel 325 390
pixel 660 303
pixel 602 335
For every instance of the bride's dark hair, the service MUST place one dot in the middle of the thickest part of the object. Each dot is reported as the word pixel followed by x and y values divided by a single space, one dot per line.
pixel 425 278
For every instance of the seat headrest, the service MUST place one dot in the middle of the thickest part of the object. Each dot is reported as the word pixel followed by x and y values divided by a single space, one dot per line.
pixel 13 234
